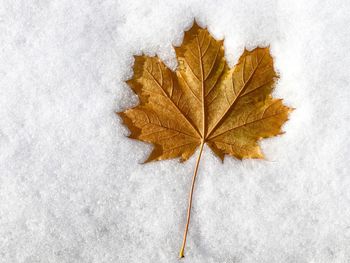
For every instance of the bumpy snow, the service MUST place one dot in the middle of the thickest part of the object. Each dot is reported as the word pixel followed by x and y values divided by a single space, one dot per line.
pixel 72 188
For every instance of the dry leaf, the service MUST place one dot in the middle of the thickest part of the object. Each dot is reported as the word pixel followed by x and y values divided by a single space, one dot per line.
pixel 205 101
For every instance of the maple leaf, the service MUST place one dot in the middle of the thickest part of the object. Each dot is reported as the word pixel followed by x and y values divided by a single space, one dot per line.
pixel 204 102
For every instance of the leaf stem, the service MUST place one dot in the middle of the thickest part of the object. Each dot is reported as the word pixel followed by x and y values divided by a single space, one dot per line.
pixel 182 250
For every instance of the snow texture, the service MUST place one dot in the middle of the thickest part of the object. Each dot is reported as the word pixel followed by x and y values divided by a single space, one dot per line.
pixel 72 187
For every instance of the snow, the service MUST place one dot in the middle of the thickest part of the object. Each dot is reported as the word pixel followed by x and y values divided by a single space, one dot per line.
pixel 72 188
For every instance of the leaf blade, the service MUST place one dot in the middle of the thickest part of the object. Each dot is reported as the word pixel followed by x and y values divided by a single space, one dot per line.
pixel 206 100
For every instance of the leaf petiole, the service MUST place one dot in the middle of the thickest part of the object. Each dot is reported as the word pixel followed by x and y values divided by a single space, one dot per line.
pixel 182 250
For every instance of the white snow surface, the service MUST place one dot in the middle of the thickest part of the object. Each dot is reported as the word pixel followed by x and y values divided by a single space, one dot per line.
pixel 72 186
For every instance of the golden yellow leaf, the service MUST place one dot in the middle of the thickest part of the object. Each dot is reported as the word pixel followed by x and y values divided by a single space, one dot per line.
pixel 205 101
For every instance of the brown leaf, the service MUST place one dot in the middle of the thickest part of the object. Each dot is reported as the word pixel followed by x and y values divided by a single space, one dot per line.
pixel 204 101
